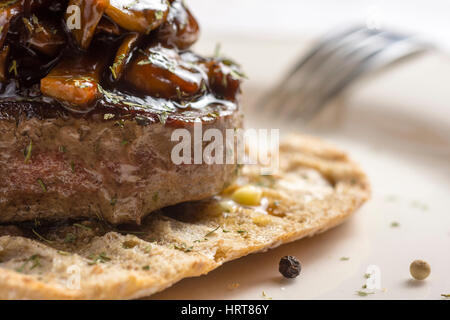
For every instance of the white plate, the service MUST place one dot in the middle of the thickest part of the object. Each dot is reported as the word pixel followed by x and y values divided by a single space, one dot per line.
pixel 410 187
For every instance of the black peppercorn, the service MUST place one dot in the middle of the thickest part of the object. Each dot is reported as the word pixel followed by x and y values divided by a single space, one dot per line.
pixel 290 267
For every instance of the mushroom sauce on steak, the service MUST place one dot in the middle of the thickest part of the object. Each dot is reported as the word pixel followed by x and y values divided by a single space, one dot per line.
pixel 87 112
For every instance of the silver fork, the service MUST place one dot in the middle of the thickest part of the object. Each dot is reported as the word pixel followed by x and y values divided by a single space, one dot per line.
pixel 332 66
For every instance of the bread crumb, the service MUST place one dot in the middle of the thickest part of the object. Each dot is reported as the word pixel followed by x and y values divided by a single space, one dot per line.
pixel 233 286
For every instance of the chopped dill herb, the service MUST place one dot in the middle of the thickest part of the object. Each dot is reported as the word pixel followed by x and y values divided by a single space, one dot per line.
pixel 241 231
pixel 158 59
pixel 129 6
pixel 225 231
pixel 41 237
pixel 344 258
pixel 120 123
pixel 35 263
pixel 163 117
pixel 41 183
pixel 363 293
pixel 146 268
pixel 129 244
pixel 395 224
pixel 13 68
pixel 28 25
pixel 265 296
pixel 7 3
pixel 27 151
pixel 82 226
pixel 212 232
pixel 183 247
pixel 70 238
pixel 159 15
pixel 113 68
pixel 125 232
pixel 99 258
pixel 108 116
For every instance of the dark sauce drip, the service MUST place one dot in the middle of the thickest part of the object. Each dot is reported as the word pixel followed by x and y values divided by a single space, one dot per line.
pixel 150 77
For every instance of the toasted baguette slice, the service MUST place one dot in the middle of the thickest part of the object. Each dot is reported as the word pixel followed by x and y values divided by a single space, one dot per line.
pixel 317 188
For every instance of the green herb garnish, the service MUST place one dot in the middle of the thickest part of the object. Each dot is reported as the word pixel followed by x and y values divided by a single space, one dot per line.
pixel 183 247
pixel 108 116
pixel 41 183
pixel 100 258
pixel 8 3
pixel 211 232
pixel 82 226
pixel 70 238
pixel 41 237
pixel 163 117
pixel 27 151
pixel 344 258
pixel 13 68
pixel 363 293
pixel 159 15
pixel 265 296
pixel 34 259
pixel 113 68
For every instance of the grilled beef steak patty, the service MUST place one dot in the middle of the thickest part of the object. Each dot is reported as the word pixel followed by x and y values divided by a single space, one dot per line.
pixel 87 114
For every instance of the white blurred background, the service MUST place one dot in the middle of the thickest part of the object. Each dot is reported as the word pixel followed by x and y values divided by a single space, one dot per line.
pixel 396 124
pixel 291 18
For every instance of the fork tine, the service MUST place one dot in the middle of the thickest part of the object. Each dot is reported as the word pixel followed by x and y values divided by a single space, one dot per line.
pixel 279 93
pixel 311 77
pixel 331 66
pixel 363 60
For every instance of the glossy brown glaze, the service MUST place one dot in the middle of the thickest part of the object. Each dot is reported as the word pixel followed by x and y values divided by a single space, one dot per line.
pixel 150 40
pixel 87 115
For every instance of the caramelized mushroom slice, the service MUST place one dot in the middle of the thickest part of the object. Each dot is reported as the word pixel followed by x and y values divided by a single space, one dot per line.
pixel 8 10
pixel 43 36
pixel 123 55
pixel 3 57
pixel 224 78
pixel 83 27
pixel 181 28
pixel 140 16
pixel 75 81
pixel 161 72
pixel 106 25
